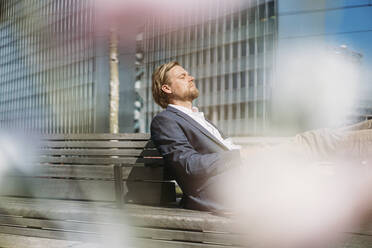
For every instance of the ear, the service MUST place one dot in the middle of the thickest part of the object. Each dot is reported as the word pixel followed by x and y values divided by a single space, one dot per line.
pixel 166 88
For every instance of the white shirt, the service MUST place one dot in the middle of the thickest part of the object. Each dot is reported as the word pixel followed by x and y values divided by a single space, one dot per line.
pixel 199 118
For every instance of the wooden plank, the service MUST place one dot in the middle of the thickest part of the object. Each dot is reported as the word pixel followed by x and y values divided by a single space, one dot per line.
pixel 97 144
pixel 69 171
pixel 160 216
pixel 91 238
pixel 101 161
pixel 84 210
pixel 192 236
pixel 96 190
pixel 153 243
pixel 62 225
pixel 99 190
pixel 97 227
pixel 75 236
pixel 97 136
pixel 102 152
pixel 136 215
pixel 58 209
pixel 18 241
pixel 94 171
pixel 49 234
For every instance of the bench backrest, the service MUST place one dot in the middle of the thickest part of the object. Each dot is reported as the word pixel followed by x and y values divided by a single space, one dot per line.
pixel 99 167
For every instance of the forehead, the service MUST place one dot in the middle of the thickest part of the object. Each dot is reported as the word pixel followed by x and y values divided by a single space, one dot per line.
pixel 177 70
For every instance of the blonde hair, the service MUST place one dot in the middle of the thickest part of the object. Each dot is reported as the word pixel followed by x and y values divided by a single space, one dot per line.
pixel 159 78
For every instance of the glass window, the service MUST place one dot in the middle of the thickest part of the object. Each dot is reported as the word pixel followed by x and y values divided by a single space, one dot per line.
pixel 204 56
pixel 260 44
pixel 227 52
pixel 220 25
pixel 219 53
pixel 260 111
pixel 251 46
pixel 210 85
pixel 251 78
pixel 271 10
pixel 260 75
pixel 199 31
pixel 242 110
pixel 244 48
pixel 205 31
pixel 235 50
pixel 262 9
pixel 226 82
pixel 236 20
pixel 210 113
pixel 235 80
pixel 252 15
pixel 242 79
pixel 218 83
pixel 250 110
pixel 226 110
pixel 192 33
pixel 234 107
pixel 269 42
pixel 185 35
pixel 251 83
pixel 211 57
pixel 173 39
pixel 213 27
pixel 228 22
pixel 243 17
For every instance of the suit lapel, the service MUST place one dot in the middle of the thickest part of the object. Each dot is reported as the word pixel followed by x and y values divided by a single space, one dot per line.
pixel 197 125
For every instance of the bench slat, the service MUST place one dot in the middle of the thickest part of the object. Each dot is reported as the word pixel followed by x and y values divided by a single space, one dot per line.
pixel 92 237
pixel 44 233
pixel 94 171
pixel 98 227
pixel 97 144
pixel 101 152
pixel 101 161
pixel 96 190
pixel 15 239
pixel 97 136
pixel 101 172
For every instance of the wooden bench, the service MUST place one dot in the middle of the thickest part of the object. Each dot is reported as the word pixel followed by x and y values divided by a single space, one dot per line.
pixel 96 167
pixel 77 186
pixel 75 194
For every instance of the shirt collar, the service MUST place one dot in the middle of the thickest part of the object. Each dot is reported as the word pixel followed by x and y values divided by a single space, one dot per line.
pixel 193 110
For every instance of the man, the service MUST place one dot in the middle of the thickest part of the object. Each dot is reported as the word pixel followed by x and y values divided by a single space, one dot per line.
pixel 194 149
pixel 202 160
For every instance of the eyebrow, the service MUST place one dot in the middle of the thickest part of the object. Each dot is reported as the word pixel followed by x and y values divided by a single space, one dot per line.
pixel 181 74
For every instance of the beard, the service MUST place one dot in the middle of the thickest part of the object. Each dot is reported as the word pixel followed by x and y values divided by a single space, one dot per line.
pixel 193 94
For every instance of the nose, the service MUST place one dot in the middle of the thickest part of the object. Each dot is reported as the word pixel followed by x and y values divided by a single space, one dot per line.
pixel 191 78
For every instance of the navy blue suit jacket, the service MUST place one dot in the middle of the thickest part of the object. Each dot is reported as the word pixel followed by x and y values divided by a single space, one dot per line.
pixel 198 161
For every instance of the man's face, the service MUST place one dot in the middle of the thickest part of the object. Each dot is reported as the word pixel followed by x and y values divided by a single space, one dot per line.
pixel 181 85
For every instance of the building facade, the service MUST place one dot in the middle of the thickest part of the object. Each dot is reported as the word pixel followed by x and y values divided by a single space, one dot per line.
pixel 235 56
pixel 230 53
pixel 54 75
